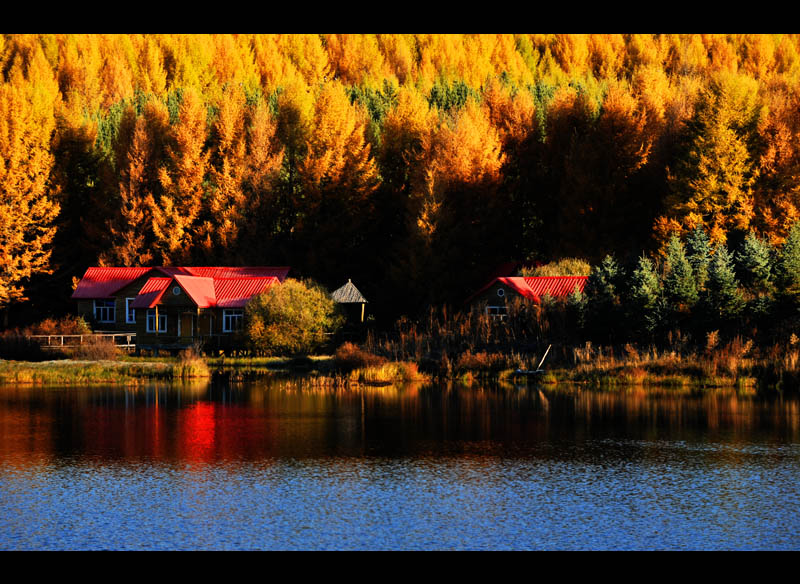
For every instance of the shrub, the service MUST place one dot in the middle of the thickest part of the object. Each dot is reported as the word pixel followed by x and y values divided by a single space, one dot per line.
pixel 350 356
pixel 67 325
pixel 96 349
pixel 293 318
pixel 562 267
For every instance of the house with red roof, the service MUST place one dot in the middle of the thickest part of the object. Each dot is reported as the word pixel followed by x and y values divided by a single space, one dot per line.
pixel 495 295
pixel 171 307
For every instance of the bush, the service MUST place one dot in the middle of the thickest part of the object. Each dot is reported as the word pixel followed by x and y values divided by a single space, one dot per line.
pixel 349 357
pixel 67 325
pixel 289 319
pixel 96 349
pixel 562 267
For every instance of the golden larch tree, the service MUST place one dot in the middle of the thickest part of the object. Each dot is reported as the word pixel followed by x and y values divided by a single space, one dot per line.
pixel 337 176
pixel 225 205
pixel 182 176
pixel 139 153
pixel 27 209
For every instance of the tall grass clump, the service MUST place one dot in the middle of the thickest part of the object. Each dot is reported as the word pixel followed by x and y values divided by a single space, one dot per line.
pixel 350 356
pixel 449 344
pixel 361 366
pixel 190 364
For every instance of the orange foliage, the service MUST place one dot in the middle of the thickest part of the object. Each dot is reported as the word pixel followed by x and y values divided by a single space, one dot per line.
pixel 27 210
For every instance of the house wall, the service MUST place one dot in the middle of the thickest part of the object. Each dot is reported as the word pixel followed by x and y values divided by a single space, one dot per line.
pixel 129 291
pixel 85 308
pixel 173 305
pixel 489 297
pixel 207 321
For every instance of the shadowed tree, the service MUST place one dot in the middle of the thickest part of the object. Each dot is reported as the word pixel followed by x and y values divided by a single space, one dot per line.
pixel 338 177
pixel 721 302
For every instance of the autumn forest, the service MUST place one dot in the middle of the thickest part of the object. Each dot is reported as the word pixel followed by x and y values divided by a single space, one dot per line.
pixel 413 164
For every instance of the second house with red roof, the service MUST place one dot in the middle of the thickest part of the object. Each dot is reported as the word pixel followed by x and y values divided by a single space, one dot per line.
pixel 172 307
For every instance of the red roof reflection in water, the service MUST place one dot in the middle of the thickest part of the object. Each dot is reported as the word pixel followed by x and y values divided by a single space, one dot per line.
pixel 197 432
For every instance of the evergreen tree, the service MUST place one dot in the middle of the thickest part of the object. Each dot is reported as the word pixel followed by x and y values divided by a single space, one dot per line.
pixel 698 252
pixel 788 265
pixel 754 264
pixel 722 301
pixel 680 287
pixel 642 297
pixel 576 314
pixel 786 311
pixel 602 299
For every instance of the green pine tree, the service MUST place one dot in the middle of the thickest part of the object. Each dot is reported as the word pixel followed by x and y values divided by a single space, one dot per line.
pixel 602 300
pixel 698 252
pixel 788 268
pixel 753 264
pixel 643 295
pixel 680 288
pixel 722 299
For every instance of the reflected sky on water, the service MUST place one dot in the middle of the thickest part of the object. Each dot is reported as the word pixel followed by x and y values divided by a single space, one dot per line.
pixel 286 465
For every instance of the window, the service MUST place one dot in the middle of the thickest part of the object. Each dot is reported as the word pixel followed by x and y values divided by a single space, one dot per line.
pixel 151 322
pixel 497 312
pixel 104 310
pixel 501 292
pixel 176 290
pixel 232 320
pixel 130 313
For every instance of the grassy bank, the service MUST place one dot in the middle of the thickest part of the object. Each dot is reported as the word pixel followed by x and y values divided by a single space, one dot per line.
pixel 79 372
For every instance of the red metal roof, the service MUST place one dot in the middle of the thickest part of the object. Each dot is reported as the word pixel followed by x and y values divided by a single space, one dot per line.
pixel 99 282
pixel 555 286
pixel 103 282
pixel 229 271
pixel 205 292
pixel 236 292
pixel 520 286
pixel 151 293
pixel 534 288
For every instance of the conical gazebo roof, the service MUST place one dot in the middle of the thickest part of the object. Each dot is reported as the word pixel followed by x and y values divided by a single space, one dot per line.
pixel 348 294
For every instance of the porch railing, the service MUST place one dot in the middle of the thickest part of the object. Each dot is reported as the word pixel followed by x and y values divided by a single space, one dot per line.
pixel 121 340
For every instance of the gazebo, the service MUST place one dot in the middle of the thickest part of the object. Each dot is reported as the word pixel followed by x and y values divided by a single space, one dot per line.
pixel 350 296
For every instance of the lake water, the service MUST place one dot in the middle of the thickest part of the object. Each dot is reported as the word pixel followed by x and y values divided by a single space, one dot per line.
pixel 276 465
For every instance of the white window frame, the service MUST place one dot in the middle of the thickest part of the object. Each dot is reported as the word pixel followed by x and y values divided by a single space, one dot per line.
pixel 130 313
pixel 151 321
pixel 232 320
pixel 500 312
pixel 105 310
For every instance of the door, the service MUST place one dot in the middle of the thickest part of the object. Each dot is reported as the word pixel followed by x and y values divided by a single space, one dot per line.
pixel 186 326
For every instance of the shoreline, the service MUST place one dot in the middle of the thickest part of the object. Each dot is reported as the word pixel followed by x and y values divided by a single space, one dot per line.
pixel 321 370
